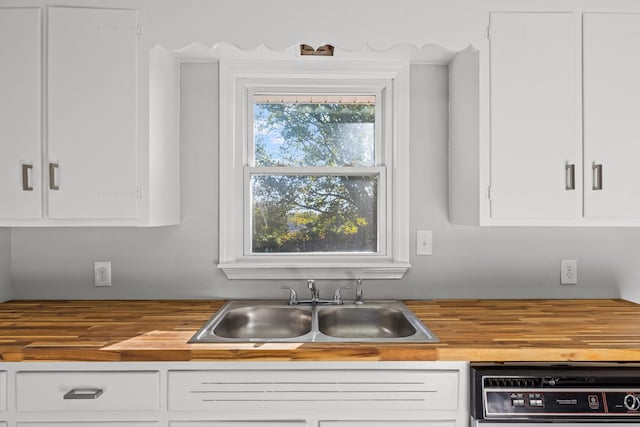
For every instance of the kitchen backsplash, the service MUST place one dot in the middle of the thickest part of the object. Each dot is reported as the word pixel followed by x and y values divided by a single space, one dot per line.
pixel 180 262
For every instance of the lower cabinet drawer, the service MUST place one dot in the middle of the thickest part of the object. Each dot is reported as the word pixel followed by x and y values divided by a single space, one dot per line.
pixel 38 391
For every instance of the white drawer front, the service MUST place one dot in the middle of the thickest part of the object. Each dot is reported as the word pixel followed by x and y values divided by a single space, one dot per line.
pixel 114 391
pixel 278 390
pixel 92 424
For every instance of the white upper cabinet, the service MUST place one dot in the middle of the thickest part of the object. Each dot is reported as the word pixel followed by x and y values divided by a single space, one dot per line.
pixel 557 142
pixel 611 61
pixel 92 120
pixel 20 113
pixel 96 161
pixel 534 123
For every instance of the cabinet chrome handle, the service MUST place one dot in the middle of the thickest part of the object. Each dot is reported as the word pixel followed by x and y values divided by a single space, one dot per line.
pixel 52 176
pixel 570 177
pixel 597 177
pixel 26 182
pixel 83 393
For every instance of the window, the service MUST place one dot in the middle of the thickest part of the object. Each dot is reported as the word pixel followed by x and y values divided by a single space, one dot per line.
pixel 313 184
pixel 313 170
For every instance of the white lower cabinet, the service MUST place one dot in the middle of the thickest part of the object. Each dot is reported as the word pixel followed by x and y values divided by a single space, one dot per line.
pixel 87 424
pixel 393 423
pixel 234 394
pixel 3 397
pixel 3 391
pixel 239 424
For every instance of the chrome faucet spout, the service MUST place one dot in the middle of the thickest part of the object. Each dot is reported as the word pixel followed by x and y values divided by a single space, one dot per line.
pixel 315 294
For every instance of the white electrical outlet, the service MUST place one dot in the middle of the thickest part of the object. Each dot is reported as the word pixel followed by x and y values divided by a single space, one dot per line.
pixel 569 272
pixel 102 273
pixel 424 242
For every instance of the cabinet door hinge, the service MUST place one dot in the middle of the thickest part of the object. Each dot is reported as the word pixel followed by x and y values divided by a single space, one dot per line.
pixel 490 32
pixel 489 193
pixel 139 31
pixel 139 193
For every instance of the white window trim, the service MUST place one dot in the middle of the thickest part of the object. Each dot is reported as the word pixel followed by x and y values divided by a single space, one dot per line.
pixel 237 79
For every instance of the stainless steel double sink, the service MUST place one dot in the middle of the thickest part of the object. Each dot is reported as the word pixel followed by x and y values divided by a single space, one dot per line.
pixel 276 321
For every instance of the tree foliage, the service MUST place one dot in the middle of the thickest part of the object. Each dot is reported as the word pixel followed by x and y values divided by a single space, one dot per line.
pixel 311 213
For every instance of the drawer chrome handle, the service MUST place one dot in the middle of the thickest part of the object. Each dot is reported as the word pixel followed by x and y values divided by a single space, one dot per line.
pixel 570 177
pixel 26 182
pixel 83 393
pixel 597 177
pixel 52 176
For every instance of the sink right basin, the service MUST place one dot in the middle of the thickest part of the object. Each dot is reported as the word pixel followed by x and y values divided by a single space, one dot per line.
pixel 364 322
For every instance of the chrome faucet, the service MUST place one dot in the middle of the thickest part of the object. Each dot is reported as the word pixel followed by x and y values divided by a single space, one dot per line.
pixel 315 295
pixel 359 299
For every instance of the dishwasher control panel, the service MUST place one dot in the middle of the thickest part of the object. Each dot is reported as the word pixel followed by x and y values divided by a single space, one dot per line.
pixel 570 402
pixel 555 393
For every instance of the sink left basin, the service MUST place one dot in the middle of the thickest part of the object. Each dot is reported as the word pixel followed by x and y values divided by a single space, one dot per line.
pixel 252 321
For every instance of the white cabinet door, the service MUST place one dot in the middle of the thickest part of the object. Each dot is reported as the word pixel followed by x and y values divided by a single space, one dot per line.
pixel 20 114
pixel 3 391
pixel 387 423
pixel 88 424
pixel 611 44
pixel 238 424
pixel 92 105
pixel 534 124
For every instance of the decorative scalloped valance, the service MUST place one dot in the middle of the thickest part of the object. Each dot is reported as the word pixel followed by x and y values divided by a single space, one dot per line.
pixel 429 53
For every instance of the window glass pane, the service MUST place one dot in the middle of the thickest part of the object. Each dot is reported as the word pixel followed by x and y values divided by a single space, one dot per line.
pixel 292 213
pixel 314 130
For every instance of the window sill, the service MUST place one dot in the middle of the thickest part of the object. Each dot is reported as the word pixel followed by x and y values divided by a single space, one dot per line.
pixel 256 271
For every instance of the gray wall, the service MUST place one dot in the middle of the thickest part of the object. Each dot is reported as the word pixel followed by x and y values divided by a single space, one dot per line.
pixel 179 262
pixel 5 264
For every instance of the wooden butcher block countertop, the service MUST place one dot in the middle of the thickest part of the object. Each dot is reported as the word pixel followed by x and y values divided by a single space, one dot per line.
pixel 472 330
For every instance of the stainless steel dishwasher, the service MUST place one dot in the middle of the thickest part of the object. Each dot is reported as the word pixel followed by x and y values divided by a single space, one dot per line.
pixel 578 395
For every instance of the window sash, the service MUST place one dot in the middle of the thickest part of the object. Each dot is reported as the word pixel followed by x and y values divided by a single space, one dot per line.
pixel 316 90
pixel 382 227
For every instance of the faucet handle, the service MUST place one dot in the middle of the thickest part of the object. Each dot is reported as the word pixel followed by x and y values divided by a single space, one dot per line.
pixel 359 299
pixel 293 295
pixel 337 296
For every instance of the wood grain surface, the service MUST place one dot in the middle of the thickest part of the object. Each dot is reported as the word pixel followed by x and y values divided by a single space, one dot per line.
pixel 473 330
